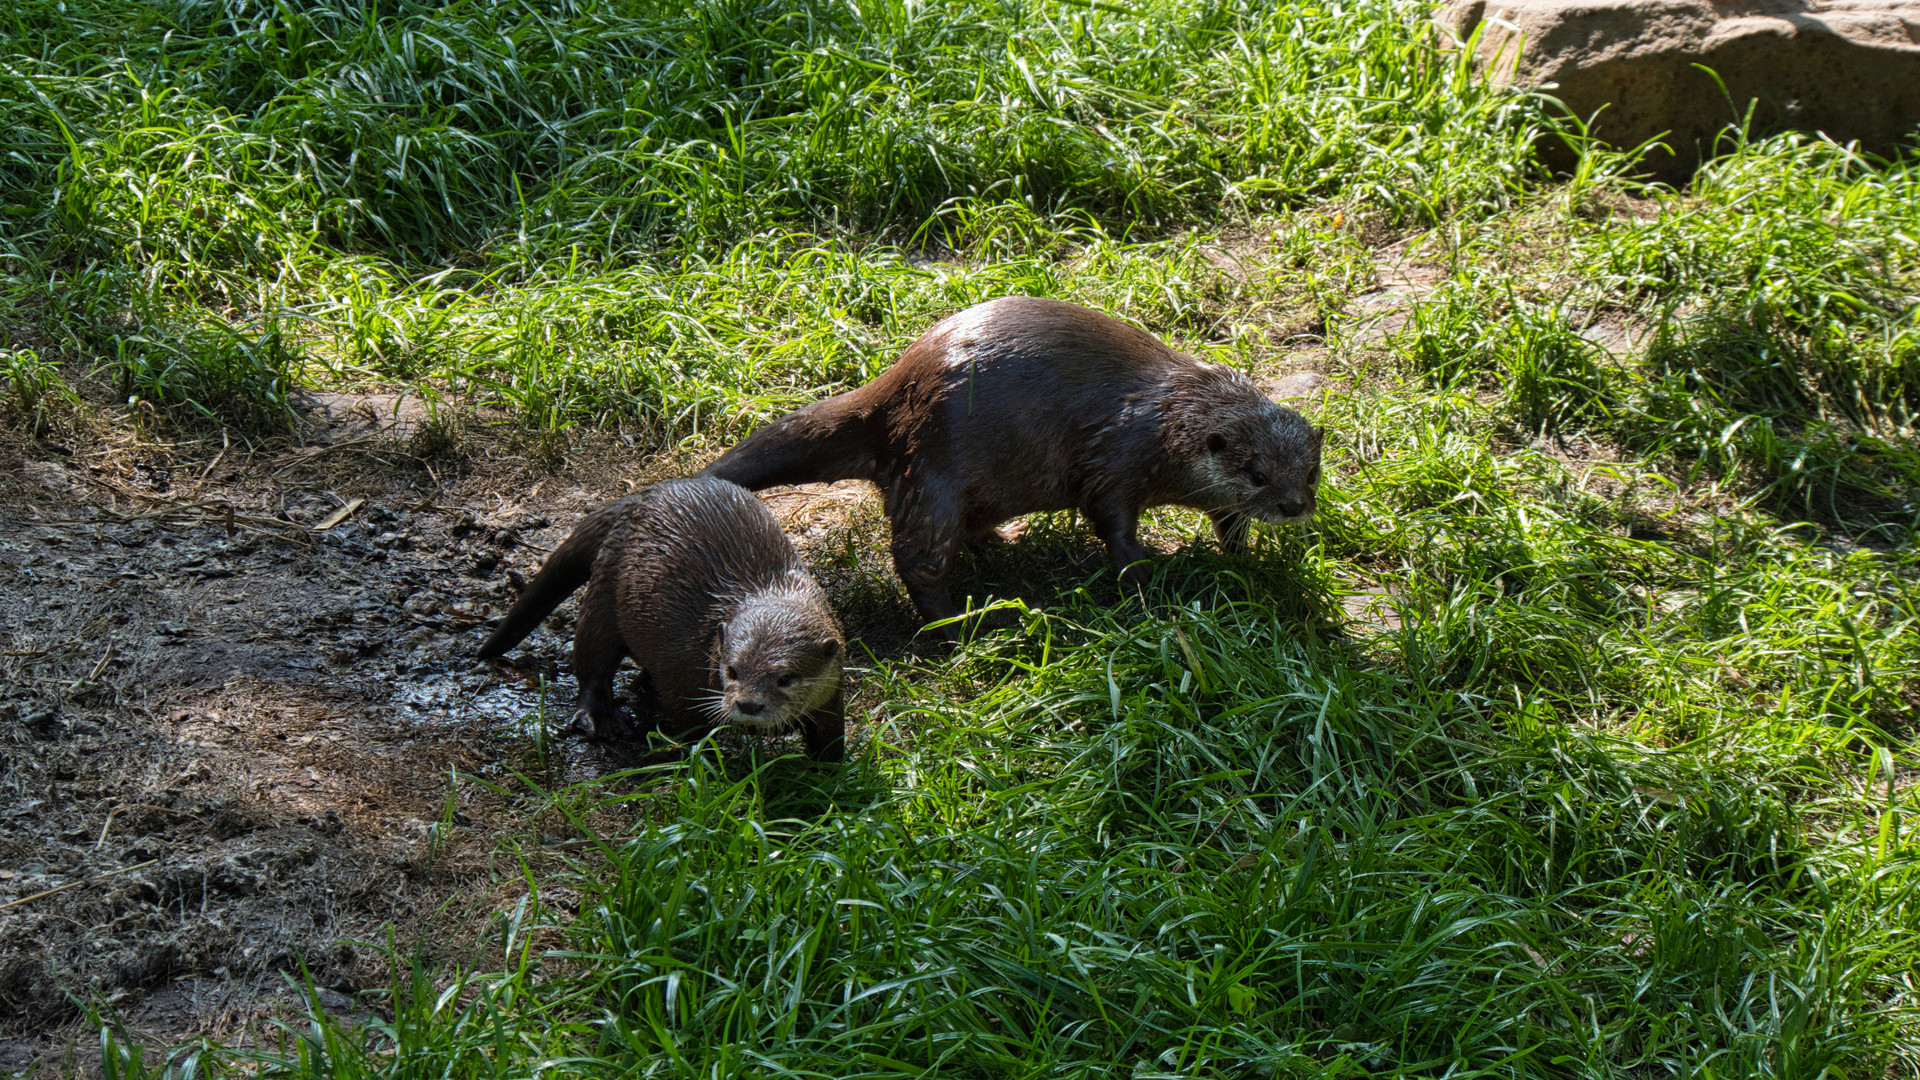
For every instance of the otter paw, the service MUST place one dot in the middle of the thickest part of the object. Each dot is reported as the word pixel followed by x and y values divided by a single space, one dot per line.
pixel 606 729
pixel 982 539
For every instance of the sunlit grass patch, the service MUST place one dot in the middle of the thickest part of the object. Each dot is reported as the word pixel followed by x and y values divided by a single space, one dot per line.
pixel 1609 774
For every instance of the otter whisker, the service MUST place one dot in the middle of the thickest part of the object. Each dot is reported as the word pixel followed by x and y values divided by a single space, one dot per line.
pixel 712 702
pixel 1211 485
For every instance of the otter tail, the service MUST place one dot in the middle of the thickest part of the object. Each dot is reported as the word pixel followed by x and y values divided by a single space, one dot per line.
pixel 828 440
pixel 566 570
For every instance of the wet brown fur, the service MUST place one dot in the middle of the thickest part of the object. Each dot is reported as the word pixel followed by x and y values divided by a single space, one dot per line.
pixel 695 581
pixel 1020 405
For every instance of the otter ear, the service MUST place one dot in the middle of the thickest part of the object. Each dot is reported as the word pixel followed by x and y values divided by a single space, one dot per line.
pixel 1319 436
pixel 1216 442
pixel 829 649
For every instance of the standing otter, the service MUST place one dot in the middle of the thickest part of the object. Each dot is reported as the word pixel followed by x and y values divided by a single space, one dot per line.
pixel 1020 405
pixel 694 580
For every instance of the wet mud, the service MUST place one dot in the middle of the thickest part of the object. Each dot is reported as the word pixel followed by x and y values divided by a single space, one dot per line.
pixel 242 732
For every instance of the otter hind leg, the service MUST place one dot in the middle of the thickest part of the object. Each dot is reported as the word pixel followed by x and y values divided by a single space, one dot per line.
pixel 926 528
pixel 597 652
pixel 825 730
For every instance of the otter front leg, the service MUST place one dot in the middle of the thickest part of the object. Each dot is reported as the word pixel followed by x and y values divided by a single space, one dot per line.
pixel 1118 524
pixel 825 730
pixel 1231 527
pixel 597 652
pixel 926 528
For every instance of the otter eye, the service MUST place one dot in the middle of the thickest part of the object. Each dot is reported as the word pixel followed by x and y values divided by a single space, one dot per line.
pixel 784 681
pixel 733 673
pixel 1259 478
pixel 1314 476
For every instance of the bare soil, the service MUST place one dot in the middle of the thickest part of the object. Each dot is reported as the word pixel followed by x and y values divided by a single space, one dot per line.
pixel 242 747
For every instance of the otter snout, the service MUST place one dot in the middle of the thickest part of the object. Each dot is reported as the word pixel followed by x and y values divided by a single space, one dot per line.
pixel 755 710
pixel 757 719
pixel 1281 509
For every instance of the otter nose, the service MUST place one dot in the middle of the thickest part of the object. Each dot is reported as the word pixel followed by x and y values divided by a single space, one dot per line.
pixel 751 708
pixel 1293 507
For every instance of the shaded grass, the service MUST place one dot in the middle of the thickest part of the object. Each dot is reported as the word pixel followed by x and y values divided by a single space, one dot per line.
pixel 433 127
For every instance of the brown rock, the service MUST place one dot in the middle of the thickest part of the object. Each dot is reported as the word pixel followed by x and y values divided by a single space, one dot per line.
pixel 1847 68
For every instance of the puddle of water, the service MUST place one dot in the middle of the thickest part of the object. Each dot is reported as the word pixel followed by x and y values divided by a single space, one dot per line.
pixel 459 695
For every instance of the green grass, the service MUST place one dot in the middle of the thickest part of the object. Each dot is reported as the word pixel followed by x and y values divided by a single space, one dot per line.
pixel 321 190
pixel 1622 790
pixel 1196 839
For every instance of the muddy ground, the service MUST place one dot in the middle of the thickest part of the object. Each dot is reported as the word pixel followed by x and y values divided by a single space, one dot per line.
pixel 239 745
pixel 242 732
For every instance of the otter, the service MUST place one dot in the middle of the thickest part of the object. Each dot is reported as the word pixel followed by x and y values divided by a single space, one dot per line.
pixel 1023 404
pixel 695 581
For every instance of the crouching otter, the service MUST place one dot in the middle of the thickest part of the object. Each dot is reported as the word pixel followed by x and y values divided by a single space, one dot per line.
pixel 1020 405
pixel 695 581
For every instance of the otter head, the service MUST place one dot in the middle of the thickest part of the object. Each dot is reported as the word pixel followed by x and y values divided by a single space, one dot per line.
pixel 1263 461
pixel 778 658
